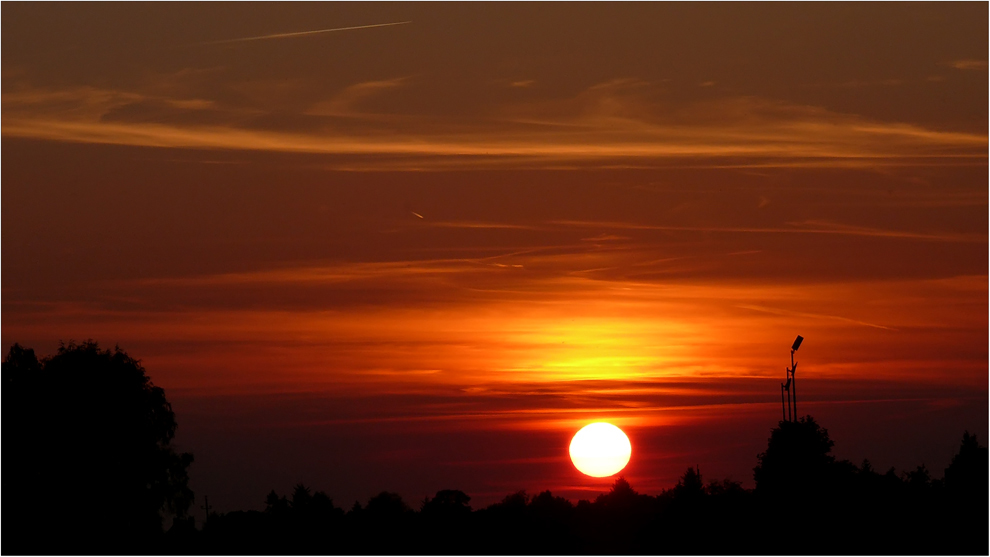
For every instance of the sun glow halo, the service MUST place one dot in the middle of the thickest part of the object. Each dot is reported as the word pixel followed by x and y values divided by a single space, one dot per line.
pixel 600 449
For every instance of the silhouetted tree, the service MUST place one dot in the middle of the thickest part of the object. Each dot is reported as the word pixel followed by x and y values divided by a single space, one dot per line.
pixel 275 505
pixel 88 457
pixel 690 486
pixel 447 503
pixel 797 459
pixel 966 490
pixel 724 488
pixel 867 467
pixel 387 505
pixel 445 526
pixel 301 498
pixel 621 497
pixel 322 505
pixel 545 504
pixel 918 479
pixel 967 473
pixel 515 502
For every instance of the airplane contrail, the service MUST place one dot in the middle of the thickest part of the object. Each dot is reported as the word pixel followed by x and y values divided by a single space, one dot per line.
pixel 302 33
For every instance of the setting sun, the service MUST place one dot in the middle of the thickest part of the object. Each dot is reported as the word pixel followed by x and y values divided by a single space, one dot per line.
pixel 600 449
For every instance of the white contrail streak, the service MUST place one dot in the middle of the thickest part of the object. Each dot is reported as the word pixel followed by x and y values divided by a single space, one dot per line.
pixel 302 33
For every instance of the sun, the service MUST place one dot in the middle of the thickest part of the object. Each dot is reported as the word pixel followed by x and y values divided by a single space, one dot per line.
pixel 600 449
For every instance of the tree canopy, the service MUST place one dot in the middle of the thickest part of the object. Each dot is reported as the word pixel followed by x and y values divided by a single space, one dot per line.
pixel 89 456
pixel 797 459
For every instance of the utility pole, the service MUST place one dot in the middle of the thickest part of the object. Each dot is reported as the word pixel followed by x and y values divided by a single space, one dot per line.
pixel 206 507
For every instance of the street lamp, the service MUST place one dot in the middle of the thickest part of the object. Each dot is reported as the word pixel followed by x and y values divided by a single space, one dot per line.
pixel 791 370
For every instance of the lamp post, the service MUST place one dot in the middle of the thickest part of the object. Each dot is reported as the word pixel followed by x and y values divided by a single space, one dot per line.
pixel 791 370
pixel 783 409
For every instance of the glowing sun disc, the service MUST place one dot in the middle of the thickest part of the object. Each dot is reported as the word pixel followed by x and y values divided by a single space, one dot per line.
pixel 600 449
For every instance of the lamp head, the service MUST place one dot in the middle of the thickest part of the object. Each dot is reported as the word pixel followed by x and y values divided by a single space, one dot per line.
pixel 797 342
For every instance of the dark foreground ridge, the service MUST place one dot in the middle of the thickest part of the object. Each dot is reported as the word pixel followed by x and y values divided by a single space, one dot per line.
pixel 89 470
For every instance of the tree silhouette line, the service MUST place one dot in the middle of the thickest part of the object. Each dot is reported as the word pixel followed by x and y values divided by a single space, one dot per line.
pixel 90 469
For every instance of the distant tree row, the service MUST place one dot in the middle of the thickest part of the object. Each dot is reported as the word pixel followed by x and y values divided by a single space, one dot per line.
pixel 805 501
pixel 89 468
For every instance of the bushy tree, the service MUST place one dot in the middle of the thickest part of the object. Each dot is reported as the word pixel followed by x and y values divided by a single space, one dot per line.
pixel 545 504
pixel 447 503
pixel 387 505
pixel 797 459
pixel 88 461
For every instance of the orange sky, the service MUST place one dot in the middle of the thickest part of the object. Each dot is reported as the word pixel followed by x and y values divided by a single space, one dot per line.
pixel 420 256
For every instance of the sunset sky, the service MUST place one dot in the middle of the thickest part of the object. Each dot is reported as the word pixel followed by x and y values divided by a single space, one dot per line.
pixel 421 256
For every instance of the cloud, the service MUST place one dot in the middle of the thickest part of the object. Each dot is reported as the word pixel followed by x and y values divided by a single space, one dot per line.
pixel 802 227
pixel 92 104
pixel 348 102
pixel 826 227
pixel 614 123
pixel 861 83
pixel 484 225
pixel 969 64
pixel 605 238
pixel 777 311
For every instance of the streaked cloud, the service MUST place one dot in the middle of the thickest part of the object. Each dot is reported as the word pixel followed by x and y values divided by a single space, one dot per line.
pixel 969 64
pixel 814 315
pixel 598 128
pixel 803 227
pixel 348 103
pixel 824 227
pixel 485 225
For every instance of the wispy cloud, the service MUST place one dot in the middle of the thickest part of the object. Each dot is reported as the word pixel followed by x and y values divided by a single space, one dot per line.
pixel 826 227
pixel 969 64
pixel 777 311
pixel 605 238
pixel 484 225
pixel 348 102
pixel 611 124
pixel 803 227
pixel 326 274
pixel 297 34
